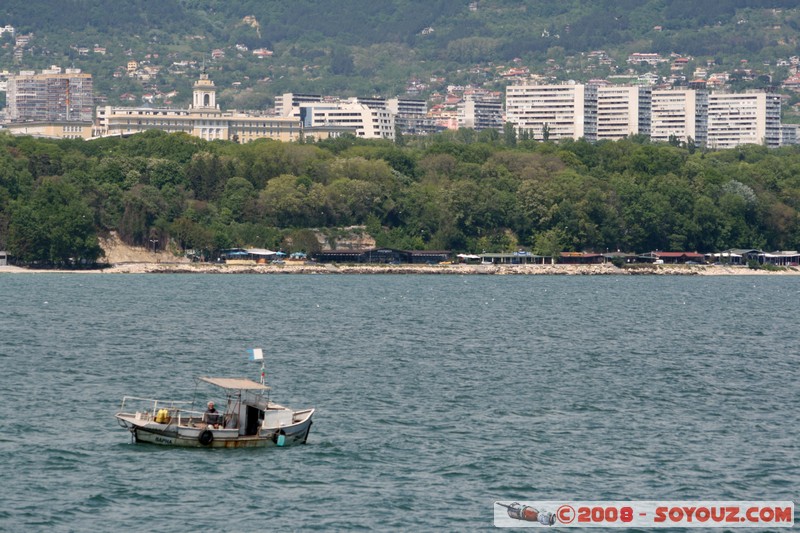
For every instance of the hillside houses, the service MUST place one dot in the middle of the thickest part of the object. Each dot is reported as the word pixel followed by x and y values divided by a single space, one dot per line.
pixel 616 101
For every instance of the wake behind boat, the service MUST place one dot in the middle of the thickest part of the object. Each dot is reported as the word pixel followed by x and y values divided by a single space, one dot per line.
pixel 249 419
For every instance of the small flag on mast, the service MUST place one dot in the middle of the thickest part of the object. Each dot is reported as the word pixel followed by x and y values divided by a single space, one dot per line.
pixel 256 354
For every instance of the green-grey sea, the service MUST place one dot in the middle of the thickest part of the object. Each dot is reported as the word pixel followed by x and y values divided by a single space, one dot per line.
pixel 435 396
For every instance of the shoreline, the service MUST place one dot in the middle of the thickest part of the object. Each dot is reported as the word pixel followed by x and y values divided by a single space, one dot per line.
pixel 460 269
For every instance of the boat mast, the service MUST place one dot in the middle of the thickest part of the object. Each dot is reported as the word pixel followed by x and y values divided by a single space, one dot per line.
pixel 257 354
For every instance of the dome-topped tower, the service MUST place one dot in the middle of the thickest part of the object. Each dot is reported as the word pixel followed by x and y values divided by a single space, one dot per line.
pixel 204 95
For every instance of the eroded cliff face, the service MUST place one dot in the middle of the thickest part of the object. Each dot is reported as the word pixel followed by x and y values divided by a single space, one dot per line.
pixel 350 238
pixel 115 251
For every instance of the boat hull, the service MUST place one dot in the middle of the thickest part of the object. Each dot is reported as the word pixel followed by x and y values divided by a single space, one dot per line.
pixel 200 437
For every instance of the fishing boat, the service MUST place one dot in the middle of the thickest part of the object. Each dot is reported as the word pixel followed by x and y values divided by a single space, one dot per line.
pixel 249 419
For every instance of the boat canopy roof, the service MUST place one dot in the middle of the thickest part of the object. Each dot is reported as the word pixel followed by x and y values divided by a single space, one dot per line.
pixel 235 383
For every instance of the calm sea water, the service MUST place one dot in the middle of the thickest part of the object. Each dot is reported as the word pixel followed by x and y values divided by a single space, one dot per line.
pixel 435 396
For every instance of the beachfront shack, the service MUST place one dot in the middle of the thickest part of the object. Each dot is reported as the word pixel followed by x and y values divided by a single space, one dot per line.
pixel 514 258
pixel 426 257
pixel 580 258
pixel 782 258
pixel 382 256
pixel 734 256
pixel 3 258
pixel 248 256
pixel 345 256
pixel 743 257
pixel 673 258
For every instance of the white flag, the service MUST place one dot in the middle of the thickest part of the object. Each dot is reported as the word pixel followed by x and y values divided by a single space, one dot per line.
pixel 256 354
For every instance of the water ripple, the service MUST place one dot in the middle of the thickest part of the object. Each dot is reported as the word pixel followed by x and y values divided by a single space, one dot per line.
pixel 435 396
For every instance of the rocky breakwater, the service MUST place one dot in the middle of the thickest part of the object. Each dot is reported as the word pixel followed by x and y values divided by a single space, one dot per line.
pixel 498 270
pixel 313 268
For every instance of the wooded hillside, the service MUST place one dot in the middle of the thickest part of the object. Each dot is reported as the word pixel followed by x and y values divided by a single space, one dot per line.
pixel 361 48
pixel 458 191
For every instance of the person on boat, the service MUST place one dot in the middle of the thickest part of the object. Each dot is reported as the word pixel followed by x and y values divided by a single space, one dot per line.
pixel 211 416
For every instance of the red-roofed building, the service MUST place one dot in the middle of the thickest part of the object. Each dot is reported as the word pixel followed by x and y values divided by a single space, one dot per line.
pixel 792 83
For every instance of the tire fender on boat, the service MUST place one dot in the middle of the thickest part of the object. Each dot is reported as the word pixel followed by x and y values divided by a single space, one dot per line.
pixel 206 437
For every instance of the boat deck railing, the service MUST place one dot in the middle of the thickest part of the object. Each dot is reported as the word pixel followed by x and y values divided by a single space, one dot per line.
pixel 172 412
pixel 152 409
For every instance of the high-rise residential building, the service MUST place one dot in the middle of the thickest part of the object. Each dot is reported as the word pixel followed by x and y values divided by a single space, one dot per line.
pixel 601 111
pixel 789 134
pixel 407 106
pixel 411 116
pixel 701 117
pixel 287 101
pixel 480 114
pixel 612 112
pixel 51 96
pixel 546 111
pixel 673 115
pixel 375 102
pixel 773 137
pixel 590 111
pixel 347 115
pixel 645 106
pixel 743 118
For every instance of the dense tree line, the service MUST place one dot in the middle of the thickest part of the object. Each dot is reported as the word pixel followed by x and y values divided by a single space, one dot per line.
pixel 461 191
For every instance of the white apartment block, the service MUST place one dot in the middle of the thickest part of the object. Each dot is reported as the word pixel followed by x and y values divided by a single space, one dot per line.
pixel 480 114
pixel 554 111
pixel 411 116
pixel 407 106
pixel 735 119
pixel 617 112
pixel 363 121
pixel 286 102
pixel 612 112
pixel 673 115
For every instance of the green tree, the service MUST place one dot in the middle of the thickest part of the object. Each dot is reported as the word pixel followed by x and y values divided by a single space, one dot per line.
pixel 238 197
pixel 509 134
pixel 352 201
pixel 341 62
pixel 190 235
pixel 55 227
pixel 290 201
pixel 142 206
pixel 550 243
pixel 302 240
